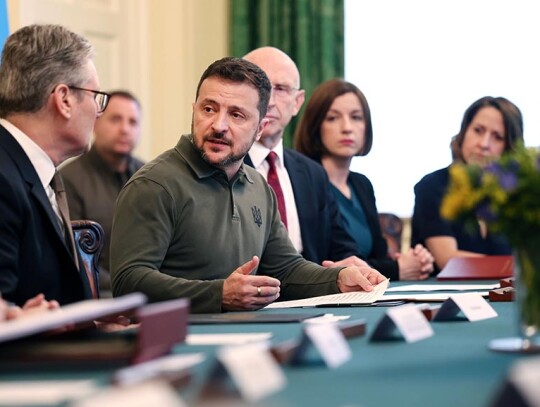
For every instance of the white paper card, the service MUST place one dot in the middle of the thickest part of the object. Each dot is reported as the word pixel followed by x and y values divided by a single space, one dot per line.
pixel 330 342
pixel 525 375
pixel 473 306
pixel 44 392
pixel 408 320
pixel 152 393
pixel 254 371
pixel 326 318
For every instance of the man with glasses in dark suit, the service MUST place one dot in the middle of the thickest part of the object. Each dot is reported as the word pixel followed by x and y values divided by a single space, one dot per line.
pixel 49 101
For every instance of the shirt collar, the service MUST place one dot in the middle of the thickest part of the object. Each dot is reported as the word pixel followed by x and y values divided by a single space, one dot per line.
pixel 39 158
pixel 259 152
pixel 96 158
pixel 201 168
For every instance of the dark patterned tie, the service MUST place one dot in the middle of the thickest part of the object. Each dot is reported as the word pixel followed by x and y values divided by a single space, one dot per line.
pixel 58 187
pixel 273 181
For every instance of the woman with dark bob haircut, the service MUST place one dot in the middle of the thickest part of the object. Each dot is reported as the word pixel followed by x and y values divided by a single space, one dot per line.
pixel 335 127
pixel 490 127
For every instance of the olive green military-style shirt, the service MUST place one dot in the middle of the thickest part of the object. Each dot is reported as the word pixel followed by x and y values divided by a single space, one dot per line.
pixel 181 228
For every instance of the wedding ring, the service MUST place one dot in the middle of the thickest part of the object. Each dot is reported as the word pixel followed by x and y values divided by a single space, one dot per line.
pixel 259 291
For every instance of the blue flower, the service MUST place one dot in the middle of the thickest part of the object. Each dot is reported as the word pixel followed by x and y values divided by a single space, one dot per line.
pixel 508 181
pixel 483 211
pixel 507 177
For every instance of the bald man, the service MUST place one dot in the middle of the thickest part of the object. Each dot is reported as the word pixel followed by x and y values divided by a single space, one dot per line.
pixel 311 214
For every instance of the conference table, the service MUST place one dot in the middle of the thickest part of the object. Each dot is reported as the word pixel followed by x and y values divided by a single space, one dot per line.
pixel 454 367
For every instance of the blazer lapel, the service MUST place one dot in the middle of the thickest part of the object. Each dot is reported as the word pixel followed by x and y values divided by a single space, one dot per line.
pixel 300 182
pixel 40 196
pixel 30 176
pixel 247 160
pixel 362 195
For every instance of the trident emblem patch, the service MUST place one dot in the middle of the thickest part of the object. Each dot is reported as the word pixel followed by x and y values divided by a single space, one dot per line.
pixel 257 217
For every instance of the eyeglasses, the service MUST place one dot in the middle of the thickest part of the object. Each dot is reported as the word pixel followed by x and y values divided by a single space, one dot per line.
pixel 282 90
pixel 101 98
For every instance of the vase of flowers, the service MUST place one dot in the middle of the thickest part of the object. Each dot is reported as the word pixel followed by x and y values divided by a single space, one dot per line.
pixel 505 195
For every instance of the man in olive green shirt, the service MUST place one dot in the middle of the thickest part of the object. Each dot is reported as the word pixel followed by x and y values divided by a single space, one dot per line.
pixel 196 223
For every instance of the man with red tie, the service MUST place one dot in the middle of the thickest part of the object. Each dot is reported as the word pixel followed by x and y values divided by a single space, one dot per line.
pixel 306 204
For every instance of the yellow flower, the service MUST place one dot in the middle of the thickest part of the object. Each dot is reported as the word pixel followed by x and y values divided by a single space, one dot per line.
pixel 504 193
pixel 460 197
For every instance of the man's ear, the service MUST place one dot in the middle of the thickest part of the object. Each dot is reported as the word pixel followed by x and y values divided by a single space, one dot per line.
pixel 61 99
pixel 262 125
pixel 299 101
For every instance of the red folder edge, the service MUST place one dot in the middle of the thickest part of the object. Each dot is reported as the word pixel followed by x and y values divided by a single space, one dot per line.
pixel 477 268
pixel 162 325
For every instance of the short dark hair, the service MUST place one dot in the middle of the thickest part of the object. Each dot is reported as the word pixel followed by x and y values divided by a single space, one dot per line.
pixel 35 59
pixel 124 94
pixel 307 138
pixel 513 123
pixel 239 70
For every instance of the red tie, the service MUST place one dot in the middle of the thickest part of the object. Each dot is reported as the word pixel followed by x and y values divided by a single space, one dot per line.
pixel 273 181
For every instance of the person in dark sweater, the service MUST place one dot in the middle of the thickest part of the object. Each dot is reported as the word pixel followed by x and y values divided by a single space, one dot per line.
pixel 94 179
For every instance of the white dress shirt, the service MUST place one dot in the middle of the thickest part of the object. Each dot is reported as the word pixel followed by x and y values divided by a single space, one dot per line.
pixel 39 159
pixel 258 154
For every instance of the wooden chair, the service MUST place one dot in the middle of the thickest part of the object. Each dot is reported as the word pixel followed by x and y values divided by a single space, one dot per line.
pixel 392 229
pixel 89 243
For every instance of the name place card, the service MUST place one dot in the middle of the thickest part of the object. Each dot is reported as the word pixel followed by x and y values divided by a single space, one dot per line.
pixel 525 375
pixel 329 341
pixel 407 320
pixel 253 370
pixel 473 306
pixel 521 386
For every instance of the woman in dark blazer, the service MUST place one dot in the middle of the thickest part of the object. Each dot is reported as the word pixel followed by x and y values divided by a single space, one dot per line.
pixel 335 127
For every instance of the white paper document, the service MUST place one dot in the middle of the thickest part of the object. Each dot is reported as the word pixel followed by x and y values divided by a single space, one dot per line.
pixel 425 297
pixel 443 287
pixel 83 311
pixel 227 339
pixel 357 297
pixel 325 319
